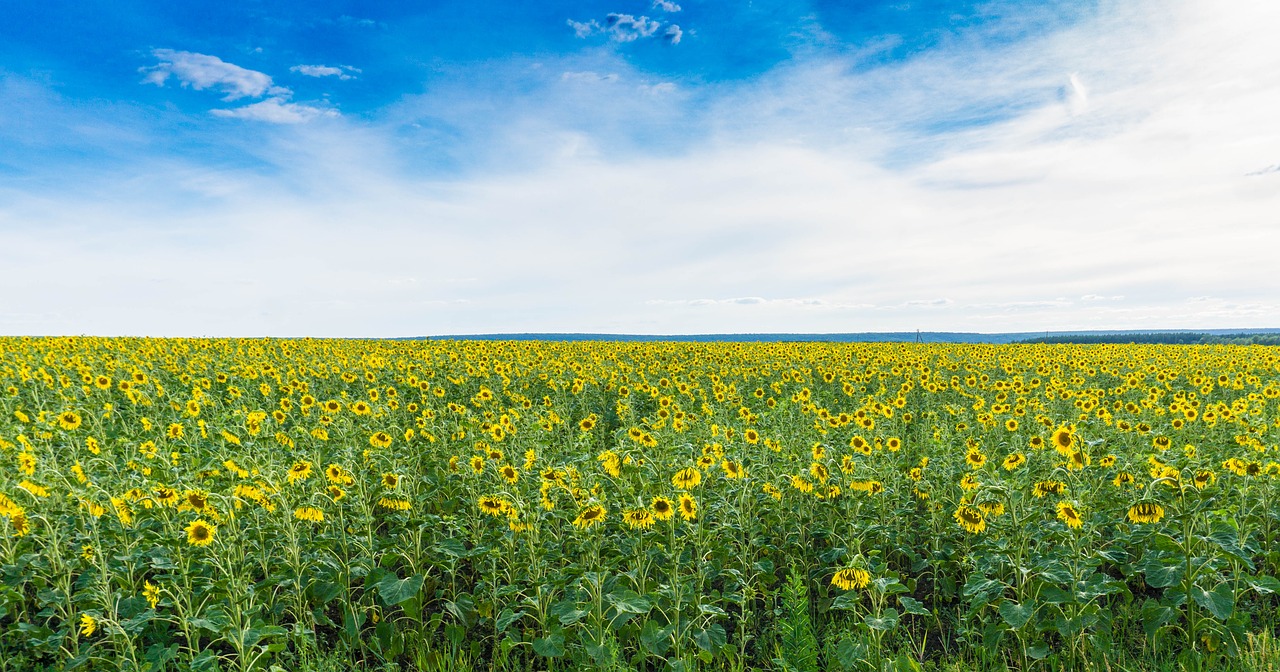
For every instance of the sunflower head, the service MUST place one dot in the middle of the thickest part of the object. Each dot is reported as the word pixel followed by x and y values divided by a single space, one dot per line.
pixel 200 533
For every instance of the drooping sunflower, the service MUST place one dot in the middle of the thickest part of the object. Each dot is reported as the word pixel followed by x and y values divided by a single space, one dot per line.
pixel 1014 461
pixel 151 593
pixel 309 514
pixel 638 518
pixel 850 578
pixel 1204 478
pixel 196 499
pixel 974 458
pixel 688 507
pixel 200 533
pixel 492 505
pixel 335 493
pixel 380 440
pixel 970 519
pixel 300 471
pixel 733 469
pixel 1068 514
pixel 686 479
pixel 69 420
pixel 1043 488
pixel 1146 512
pixel 663 509
pixel 590 516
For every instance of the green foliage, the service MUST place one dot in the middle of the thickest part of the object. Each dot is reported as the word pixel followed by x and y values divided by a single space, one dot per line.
pixel 797 640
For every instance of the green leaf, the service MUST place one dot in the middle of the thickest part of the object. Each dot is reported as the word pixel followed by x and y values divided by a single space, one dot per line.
pixel 572 617
pixel 1156 616
pixel 888 585
pixel 1055 595
pixel 551 646
pixel 629 601
pixel 1038 651
pixel 845 602
pixel 912 606
pixel 1265 585
pixel 1221 601
pixel 710 639
pixel 396 591
pixel 656 639
pixel 1016 615
pixel 1160 575
pixel 886 621
pixel 506 618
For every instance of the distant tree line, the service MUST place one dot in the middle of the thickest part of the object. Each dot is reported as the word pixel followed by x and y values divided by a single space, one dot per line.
pixel 1167 338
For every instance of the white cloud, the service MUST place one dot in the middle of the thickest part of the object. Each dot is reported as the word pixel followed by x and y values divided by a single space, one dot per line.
pixel 342 72
pixel 840 186
pixel 276 111
pixel 666 5
pixel 622 28
pixel 202 71
pixel 673 34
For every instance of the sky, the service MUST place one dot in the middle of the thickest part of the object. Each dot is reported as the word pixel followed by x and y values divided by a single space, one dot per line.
pixel 349 169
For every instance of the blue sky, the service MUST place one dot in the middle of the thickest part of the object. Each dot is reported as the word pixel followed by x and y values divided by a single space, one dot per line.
pixel 351 169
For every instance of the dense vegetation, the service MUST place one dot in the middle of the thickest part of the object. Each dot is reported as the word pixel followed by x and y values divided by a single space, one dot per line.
pixel 244 504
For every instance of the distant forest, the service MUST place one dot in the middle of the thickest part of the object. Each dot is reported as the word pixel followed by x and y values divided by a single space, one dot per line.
pixel 1170 338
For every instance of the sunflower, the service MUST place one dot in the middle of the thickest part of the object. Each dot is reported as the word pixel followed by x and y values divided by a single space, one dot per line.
pixel 391 480
pixel 586 425
pixel 300 471
pixel 638 518
pixel 590 516
pixel 492 505
pixel 1146 512
pixel 850 578
pixel 686 479
pixel 88 625
pixel 1124 478
pixel 688 507
pixel 1043 488
pixel 309 514
pixel 196 499
pixel 166 496
pixel 361 408
pixel 69 420
pixel 509 473
pixel 751 436
pixel 1107 461
pixel 477 464
pixel 1068 514
pixel 334 473
pixel 200 533
pixel 380 440
pixel 1204 478
pixel 1014 461
pixel 663 509
pixel 1063 440
pixel 970 519
pixel 894 444
pixel 335 493
pixel 732 469
pixel 969 482
pixel 975 459
pixel 151 593
pixel 1036 443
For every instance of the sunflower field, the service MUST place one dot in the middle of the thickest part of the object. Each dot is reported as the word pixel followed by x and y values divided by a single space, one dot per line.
pixel 273 504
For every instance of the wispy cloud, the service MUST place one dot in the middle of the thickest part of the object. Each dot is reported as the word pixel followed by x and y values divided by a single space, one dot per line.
pixel 624 28
pixel 202 71
pixel 343 72
pixel 666 6
pixel 276 111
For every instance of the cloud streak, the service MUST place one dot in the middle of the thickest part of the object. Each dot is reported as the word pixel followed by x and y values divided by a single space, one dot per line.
pixel 202 71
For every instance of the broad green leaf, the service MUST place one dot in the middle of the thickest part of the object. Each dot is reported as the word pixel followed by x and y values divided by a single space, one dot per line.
pixel 551 646
pixel 506 618
pixel 1016 615
pixel 396 591
pixel 1221 601
pixel 886 621
pixel 629 601
pixel 911 606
